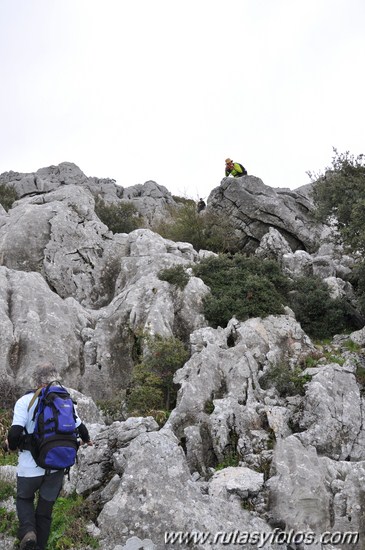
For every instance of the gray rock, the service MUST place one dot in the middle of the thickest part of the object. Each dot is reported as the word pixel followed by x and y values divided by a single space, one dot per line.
pixel 221 407
pixel 240 481
pixel 151 200
pixel 8 474
pixel 313 493
pixel 254 207
pixel 157 495
pixel 358 336
pixel 332 417
pixel 36 326
pixel 273 246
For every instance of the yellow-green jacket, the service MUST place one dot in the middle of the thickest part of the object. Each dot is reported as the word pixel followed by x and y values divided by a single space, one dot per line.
pixel 237 171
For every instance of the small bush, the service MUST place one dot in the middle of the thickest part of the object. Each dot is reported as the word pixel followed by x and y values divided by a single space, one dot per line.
pixel 208 231
pixel 145 393
pixel 7 196
pixel 352 346
pixel 287 381
pixel 319 315
pixel 241 287
pixel 357 279
pixel 175 276
pixel 113 409
pixel 120 218
pixel 152 386
pixel 360 376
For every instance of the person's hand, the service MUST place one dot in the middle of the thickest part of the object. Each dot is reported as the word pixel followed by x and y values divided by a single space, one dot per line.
pixel 88 443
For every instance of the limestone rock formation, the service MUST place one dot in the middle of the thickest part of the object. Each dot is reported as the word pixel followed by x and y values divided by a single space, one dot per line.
pixel 254 207
pixel 151 199
pixel 242 451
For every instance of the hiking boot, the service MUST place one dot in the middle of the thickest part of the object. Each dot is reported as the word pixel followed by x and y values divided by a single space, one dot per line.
pixel 29 541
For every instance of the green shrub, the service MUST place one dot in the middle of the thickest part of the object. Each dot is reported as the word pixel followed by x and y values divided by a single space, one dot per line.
pixel 340 193
pixel 152 386
pixel 319 315
pixel 241 287
pixel 360 376
pixel 120 218
pixel 113 408
pixel 352 346
pixel 287 381
pixel 7 196
pixel 175 276
pixel 357 279
pixel 208 231
pixel 145 393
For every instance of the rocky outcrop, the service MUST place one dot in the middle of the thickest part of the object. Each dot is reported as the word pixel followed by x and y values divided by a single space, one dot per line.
pixel 150 199
pixel 221 408
pixel 254 207
pixel 237 454
pixel 78 295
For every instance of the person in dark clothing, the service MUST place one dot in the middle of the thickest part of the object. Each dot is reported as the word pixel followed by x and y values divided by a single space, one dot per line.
pixel 35 523
pixel 200 206
pixel 235 169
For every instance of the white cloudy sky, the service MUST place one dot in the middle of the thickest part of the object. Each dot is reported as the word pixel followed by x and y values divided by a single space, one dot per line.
pixel 166 90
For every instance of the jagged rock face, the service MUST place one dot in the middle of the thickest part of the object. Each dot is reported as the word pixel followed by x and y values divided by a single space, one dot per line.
pixel 253 208
pixel 102 288
pixel 152 491
pixel 36 326
pixel 220 405
pixel 151 200
pixel 314 493
pixel 76 295
pixel 319 450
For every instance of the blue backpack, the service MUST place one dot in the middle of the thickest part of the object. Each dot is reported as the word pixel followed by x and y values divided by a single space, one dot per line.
pixel 54 441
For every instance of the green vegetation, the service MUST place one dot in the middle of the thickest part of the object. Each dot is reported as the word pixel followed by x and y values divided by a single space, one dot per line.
pixel 69 520
pixel 232 459
pixel 8 522
pixel 286 380
pixel 175 276
pixel 357 279
pixel 340 193
pixel 360 376
pixel 113 409
pixel 241 287
pixel 152 389
pixel 6 490
pixel 7 196
pixel 208 231
pixel 319 315
pixel 120 218
pixel 352 346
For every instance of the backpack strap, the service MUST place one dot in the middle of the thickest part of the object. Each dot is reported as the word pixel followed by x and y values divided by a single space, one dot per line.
pixel 35 396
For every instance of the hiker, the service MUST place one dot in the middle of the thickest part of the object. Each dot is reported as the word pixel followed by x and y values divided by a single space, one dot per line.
pixel 35 524
pixel 235 169
pixel 200 206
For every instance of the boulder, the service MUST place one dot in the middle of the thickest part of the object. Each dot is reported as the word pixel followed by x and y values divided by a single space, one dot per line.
pixel 254 207
pixel 312 493
pixel 156 495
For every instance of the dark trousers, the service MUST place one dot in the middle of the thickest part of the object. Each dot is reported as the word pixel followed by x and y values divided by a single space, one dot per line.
pixel 37 519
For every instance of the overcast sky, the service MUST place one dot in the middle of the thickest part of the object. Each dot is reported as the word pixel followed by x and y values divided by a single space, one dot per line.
pixel 167 90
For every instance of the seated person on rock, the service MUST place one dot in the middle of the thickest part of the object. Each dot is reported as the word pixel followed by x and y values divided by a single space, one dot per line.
pixel 235 169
